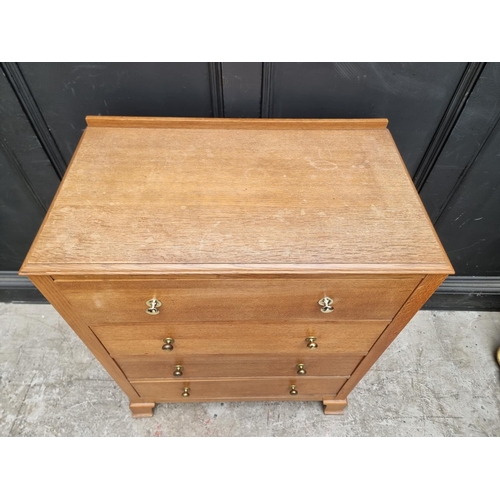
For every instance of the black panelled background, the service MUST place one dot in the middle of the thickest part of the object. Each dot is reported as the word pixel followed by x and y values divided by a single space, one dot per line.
pixel 443 116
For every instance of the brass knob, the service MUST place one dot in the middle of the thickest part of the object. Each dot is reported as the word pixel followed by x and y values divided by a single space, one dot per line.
pixel 178 371
pixel 311 342
pixel 185 392
pixel 168 345
pixel 293 390
pixel 301 369
pixel 153 305
pixel 326 305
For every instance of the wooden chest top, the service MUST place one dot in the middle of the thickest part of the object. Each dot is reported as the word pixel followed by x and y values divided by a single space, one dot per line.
pixel 175 195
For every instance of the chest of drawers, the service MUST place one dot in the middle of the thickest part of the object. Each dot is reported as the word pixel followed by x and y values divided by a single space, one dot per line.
pixel 220 259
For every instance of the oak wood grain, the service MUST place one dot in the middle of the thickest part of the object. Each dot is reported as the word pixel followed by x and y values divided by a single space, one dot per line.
pixel 317 199
pixel 238 123
pixel 239 338
pixel 410 308
pixel 110 301
pixel 24 270
pixel 237 365
pixel 239 227
pixel 424 211
pixel 227 276
pixel 334 407
pixel 141 410
pixel 157 270
pixel 317 388
pixel 61 305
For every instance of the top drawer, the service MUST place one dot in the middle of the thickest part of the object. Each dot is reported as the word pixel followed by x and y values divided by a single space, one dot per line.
pixel 237 299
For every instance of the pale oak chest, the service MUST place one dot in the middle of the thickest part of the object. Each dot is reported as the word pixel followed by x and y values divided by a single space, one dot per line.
pixel 233 259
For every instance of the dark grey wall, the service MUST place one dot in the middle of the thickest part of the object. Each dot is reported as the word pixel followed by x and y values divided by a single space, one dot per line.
pixel 28 181
pixel 413 96
pixel 462 192
pixel 444 118
pixel 66 92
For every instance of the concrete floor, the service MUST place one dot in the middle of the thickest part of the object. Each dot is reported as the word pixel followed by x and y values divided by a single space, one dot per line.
pixel 439 378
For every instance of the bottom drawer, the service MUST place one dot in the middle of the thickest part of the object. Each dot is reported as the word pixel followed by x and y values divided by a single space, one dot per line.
pixel 314 388
pixel 232 366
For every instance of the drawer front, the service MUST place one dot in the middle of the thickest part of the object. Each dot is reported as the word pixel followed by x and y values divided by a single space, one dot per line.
pixel 233 366
pixel 120 300
pixel 258 388
pixel 234 338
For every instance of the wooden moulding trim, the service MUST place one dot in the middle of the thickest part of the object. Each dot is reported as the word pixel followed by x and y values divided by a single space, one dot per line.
pixel 417 299
pixel 236 123
pixel 192 399
pixel 54 269
pixel 229 379
pixel 182 276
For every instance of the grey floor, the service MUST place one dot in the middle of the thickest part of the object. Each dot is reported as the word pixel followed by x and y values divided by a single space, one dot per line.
pixel 439 378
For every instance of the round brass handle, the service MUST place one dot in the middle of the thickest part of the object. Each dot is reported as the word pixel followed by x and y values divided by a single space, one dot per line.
pixel 326 305
pixel 293 390
pixel 178 371
pixel 311 342
pixel 168 344
pixel 186 392
pixel 301 369
pixel 153 305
